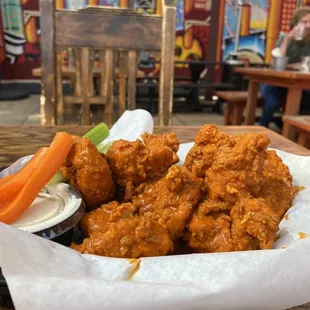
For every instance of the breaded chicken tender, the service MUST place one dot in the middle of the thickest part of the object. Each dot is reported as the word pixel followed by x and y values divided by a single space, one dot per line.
pixel 207 144
pixel 277 190
pixel 251 225
pixel 237 171
pixel 141 161
pixel 128 236
pixel 89 172
pixel 98 220
pixel 171 200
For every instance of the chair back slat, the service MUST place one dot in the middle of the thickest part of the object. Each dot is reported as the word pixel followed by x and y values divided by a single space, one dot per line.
pixel 108 85
pixel 85 62
pixel 91 74
pixel 107 31
pixel 48 105
pixel 123 72
pixel 132 73
pixel 78 70
pixel 59 90
pixel 167 66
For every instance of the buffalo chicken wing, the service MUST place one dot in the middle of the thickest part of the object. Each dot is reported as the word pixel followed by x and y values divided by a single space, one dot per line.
pixel 123 234
pixel 89 172
pixel 142 161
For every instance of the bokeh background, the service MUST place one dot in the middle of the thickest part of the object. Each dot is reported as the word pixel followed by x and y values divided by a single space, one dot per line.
pixel 261 24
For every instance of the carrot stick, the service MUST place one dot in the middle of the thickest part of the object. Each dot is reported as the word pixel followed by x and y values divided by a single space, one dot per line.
pixel 6 179
pixel 46 168
pixel 11 186
pixel 26 166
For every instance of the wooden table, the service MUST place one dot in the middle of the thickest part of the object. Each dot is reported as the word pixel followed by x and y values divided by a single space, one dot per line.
pixel 294 81
pixel 16 142
pixel 302 123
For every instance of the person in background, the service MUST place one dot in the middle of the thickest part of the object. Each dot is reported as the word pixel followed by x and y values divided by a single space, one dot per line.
pixel 291 46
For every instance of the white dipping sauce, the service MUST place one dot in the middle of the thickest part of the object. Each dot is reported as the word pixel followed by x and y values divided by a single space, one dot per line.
pixel 54 204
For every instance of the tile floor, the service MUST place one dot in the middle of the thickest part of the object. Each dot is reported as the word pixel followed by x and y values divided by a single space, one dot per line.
pixel 27 112
pixel 20 112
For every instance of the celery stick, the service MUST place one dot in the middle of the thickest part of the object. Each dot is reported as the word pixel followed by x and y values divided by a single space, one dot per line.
pixel 57 178
pixel 103 148
pixel 98 134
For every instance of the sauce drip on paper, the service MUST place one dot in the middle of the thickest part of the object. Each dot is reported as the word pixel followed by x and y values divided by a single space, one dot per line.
pixel 302 235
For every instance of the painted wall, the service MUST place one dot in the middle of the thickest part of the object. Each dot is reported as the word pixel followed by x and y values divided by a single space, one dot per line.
pixel 261 24
pixel 253 30
pixel 20 32
pixel 19 37
pixel 193 27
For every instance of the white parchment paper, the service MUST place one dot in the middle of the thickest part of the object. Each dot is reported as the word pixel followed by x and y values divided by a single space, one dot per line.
pixel 44 275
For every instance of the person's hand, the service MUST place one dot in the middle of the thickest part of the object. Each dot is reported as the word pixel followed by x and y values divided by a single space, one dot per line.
pixel 293 33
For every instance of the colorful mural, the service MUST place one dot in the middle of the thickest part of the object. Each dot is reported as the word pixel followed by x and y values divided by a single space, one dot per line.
pixel 253 30
pixel 21 31
pixel 261 23
pixel 180 15
pixel 192 35
pixel 2 44
pixel 21 37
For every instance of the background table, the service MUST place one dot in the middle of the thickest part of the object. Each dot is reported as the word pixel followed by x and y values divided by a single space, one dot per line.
pixel 302 124
pixel 294 81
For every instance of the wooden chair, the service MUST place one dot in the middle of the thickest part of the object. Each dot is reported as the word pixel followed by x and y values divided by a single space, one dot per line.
pixel 235 104
pixel 73 75
pixel 302 123
pixel 111 32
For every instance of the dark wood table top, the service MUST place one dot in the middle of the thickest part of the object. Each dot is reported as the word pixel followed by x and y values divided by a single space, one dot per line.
pixel 19 141
pixel 250 71
pixel 287 79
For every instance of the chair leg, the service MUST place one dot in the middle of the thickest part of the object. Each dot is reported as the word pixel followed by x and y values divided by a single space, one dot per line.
pixel 85 81
pixel 122 82
pixel 165 102
pixel 228 113
pixel 59 92
pixel 42 109
pixel 108 85
pixel 132 78
pixel 237 114
pixel 303 138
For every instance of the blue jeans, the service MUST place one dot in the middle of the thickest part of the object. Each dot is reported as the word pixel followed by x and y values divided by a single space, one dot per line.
pixel 273 96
